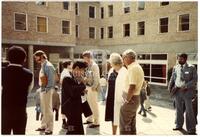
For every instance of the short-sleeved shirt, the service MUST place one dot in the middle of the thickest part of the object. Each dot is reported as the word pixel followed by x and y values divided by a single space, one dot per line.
pixel 135 76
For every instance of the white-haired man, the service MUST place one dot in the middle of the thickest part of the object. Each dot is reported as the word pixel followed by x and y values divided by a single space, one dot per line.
pixel 133 84
pixel 93 85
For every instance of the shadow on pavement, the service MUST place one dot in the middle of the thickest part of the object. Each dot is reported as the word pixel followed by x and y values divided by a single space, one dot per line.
pixel 92 131
pixel 152 114
pixel 184 132
pixel 146 120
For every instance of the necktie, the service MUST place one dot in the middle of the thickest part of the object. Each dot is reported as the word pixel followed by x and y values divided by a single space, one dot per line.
pixel 182 73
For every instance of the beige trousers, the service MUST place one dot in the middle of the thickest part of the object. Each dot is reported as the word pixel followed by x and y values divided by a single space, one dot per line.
pixel 92 101
pixel 47 111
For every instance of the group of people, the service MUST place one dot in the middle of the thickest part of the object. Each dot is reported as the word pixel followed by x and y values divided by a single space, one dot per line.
pixel 80 83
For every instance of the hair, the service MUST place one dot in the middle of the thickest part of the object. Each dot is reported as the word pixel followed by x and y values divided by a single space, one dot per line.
pixel 80 63
pixel 16 55
pixel 130 53
pixel 183 55
pixel 115 59
pixel 40 53
pixel 65 64
pixel 87 54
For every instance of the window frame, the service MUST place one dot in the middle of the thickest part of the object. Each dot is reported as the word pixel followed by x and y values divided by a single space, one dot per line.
pixel 101 13
pixel 62 27
pixel 26 21
pixel 109 15
pixel 94 12
pixel 94 32
pixel 123 27
pixel 78 10
pixel 138 6
pixel 188 23
pixel 47 22
pixel 124 6
pixel 69 6
pixel 138 28
pixel 109 32
pixel 78 35
pixel 160 26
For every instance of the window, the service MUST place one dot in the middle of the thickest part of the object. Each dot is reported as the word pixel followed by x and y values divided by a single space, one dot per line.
pixel 65 27
pixel 110 32
pixel 141 5
pixel 102 33
pixel 77 8
pixel 20 21
pixel 164 3
pixel 126 28
pixel 91 12
pixel 155 67
pixel 92 32
pixel 110 10
pixel 66 5
pixel 184 22
pixel 77 31
pixel 141 28
pixel 163 25
pixel 41 24
pixel 41 3
pixel 127 7
pixel 102 12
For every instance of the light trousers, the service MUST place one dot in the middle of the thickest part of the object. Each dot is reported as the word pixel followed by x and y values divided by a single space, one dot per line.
pixel 47 110
pixel 92 101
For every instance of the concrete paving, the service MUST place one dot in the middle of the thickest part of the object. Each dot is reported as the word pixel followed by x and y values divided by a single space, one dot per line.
pixel 158 122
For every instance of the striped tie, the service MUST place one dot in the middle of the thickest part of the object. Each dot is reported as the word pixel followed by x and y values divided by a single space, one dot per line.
pixel 182 73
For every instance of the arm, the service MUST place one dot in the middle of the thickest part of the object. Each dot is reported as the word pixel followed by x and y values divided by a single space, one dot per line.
pixel 191 84
pixel 131 91
pixel 50 73
pixel 96 77
pixel 172 80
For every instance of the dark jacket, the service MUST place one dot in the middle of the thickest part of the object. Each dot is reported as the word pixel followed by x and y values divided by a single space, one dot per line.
pixel 72 104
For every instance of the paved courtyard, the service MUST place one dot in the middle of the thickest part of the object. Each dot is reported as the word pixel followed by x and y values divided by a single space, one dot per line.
pixel 158 122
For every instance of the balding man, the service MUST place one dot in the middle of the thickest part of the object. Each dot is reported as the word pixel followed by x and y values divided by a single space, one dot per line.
pixel 131 95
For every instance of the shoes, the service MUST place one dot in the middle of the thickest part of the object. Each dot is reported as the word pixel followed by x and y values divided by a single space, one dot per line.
pixel 144 115
pixel 87 122
pixel 178 128
pixel 48 132
pixel 40 129
pixel 149 109
pixel 139 112
pixel 192 133
pixel 93 126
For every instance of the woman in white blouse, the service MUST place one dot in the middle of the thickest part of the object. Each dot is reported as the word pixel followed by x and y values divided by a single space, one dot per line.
pixel 117 64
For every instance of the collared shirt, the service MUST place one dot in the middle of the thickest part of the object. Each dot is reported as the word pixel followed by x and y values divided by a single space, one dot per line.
pixel 47 69
pixel 178 82
pixel 135 76
pixel 64 73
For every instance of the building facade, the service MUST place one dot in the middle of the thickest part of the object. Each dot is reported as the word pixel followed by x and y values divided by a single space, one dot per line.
pixel 157 31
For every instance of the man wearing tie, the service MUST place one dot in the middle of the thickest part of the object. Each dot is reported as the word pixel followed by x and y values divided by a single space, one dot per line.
pixel 183 82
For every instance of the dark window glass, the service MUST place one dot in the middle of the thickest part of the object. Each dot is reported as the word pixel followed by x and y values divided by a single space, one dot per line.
pixel 163 25
pixel 141 28
pixel 110 10
pixel 110 32
pixel 102 33
pixel 141 5
pixel 77 31
pixel 65 27
pixel 158 80
pixel 146 69
pixel 91 32
pixel 159 56
pixel 144 56
pixel 158 71
pixel 91 12
pixel 76 8
pixel 164 3
pixel 66 5
pixel 126 30
pixel 20 21
pixel 102 12
pixel 184 22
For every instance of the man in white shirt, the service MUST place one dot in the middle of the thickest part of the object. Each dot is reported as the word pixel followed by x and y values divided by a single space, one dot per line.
pixel 133 84
pixel 93 85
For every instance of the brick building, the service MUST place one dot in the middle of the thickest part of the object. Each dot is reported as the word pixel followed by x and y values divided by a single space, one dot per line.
pixel 157 31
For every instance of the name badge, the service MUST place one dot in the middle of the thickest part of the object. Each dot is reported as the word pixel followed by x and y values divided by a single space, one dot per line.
pixel 186 72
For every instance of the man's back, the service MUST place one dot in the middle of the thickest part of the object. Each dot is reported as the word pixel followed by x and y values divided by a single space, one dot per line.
pixel 15 82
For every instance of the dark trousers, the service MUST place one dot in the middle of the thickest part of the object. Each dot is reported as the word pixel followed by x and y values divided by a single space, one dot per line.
pixel 142 109
pixel 56 110
pixel 17 124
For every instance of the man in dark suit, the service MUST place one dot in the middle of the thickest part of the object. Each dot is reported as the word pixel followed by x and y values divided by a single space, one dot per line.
pixel 183 84
pixel 16 82
pixel 72 89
